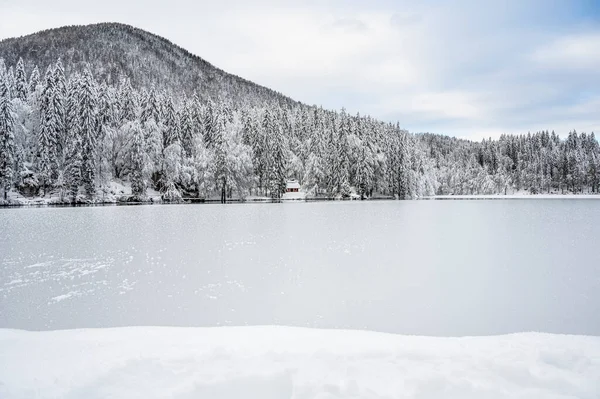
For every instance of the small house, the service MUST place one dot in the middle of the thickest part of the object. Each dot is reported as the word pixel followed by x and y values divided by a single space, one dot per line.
pixel 292 186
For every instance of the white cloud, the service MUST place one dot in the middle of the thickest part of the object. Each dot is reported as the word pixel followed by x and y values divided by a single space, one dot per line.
pixel 461 105
pixel 403 19
pixel 350 25
pixel 579 51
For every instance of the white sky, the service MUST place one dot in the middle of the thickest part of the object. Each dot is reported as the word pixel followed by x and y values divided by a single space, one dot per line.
pixel 466 68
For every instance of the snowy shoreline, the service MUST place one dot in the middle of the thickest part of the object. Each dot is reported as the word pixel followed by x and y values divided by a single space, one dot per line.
pixel 45 202
pixel 289 362
pixel 513 196
pixel 119 193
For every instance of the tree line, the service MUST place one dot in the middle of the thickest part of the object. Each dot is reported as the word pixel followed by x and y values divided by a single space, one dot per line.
pixel 70 135
pixel 537 163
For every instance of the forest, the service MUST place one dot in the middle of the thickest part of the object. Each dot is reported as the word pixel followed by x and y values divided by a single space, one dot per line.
pixel 71 134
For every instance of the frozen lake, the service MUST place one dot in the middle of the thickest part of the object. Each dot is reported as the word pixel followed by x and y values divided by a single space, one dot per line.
pixel 411 267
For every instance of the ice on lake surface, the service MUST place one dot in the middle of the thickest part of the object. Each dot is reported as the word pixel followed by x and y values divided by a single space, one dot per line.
pixel 411 267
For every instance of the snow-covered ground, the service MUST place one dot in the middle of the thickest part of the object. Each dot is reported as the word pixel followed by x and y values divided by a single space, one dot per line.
pixel 294 196
pixel 518 196
pixel 284 362
pixel 110 194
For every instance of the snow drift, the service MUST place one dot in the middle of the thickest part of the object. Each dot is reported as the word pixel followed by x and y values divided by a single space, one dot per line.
pixel 283 362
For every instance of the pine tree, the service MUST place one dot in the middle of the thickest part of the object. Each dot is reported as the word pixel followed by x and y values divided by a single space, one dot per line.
pixel 21 86
pixel 364 174
pixel 72 110
pixel 150 107
pixel 46 139
pixel 7 145
pixel 137 155
pixel 104 120
pixel 340 180
pixel 9 79
pixel 73 167
pixel 254 137
pixel 221 174
pixel 87 131
pixel 197 116
pixel 400 166
pixel 72 150
pixel 209 123
pixel 187 128
pixel 215 125
pixel 171 124
pixel 331 160
pixel 34 80
pixel 59 99
pixel 275 153
pixel 127 103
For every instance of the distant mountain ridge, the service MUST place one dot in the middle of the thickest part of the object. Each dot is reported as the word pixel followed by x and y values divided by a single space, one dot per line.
pixel 115 50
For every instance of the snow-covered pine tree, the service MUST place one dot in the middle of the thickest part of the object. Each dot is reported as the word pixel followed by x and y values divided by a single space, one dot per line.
pixel 395 158
pixel 127 103
pixel 59 100
pixel 342 184
pixel 275 155
pixel 187 128
pixel 150 108
pixel 151 126
pixel 21 86
pixel 104 122
pixel 219 147
pixel 72 110
pixel 34 80
pixel 73 150
pixel 86 126
pixel 73 164
pixel 238 158
pixel 171 123
pixel 197 116
pixel 7 145
pixel 9 78
pixel 364 173
pixel 25 122
pixel 253 137
pixel 47 156
pixel 137 155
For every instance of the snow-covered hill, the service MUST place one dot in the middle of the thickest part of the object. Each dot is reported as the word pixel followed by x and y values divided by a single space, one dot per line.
pixel 283 362
pixel 115 51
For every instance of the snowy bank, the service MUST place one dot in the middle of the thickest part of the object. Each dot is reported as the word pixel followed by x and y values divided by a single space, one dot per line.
pixel 114 192
pixel 514 196
pixel 284 362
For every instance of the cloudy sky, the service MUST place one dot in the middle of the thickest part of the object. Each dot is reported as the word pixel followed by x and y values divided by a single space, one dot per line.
pixel 467 68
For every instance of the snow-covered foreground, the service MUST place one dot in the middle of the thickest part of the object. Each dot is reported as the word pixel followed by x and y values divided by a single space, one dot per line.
pixel 284 362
